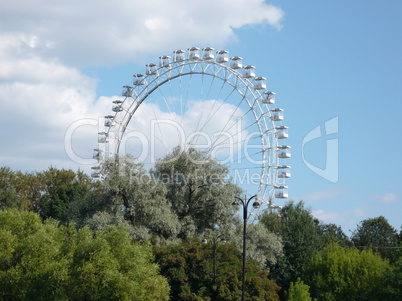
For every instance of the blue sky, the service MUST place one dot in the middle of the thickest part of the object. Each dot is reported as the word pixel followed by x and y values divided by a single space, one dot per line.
pixel 326 60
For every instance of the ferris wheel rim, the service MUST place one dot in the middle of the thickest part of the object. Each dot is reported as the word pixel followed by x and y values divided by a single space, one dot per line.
pixel 228 72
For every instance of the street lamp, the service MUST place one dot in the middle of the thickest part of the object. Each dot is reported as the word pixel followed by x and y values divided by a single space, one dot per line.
pixel 214 242
pixel 245 204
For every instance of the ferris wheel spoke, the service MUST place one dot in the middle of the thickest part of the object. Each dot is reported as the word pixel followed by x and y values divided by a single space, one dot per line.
pixel 213 112
pixel 225 129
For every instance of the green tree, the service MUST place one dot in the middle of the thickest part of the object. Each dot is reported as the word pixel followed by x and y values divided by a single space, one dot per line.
pixel 298 231
pixel 61 187
pixel 34 262
pixel 15 189
pixel 108 266
pixel 263 246
pixel 298 291
pixel 48 193
pixel 393 289
pixel 45 261
pixel 378 234
pixel 339 273
pixel 331 234
pixel 141 198
pixel 198 190
pixel 188 267
pixel 56 206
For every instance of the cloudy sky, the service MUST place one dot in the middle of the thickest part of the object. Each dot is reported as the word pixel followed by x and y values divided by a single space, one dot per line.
pixel 335 65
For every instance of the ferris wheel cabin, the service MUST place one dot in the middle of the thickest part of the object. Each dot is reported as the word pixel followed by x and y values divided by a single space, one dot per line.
pixel 281 192
pixel 109 121
pixel 151 69
pixel 178 55
pixel 222 56
pixel 259 83
pixel 284 152
pixel 281 132
pixel 103 137
pixel 277 114
pixel 236 62
pixel 118 106
pixel 207 53
pixel 139 80
pixel 97 155
pixel 284 171
pixel 193 53
pixel 164 61
pixel 249 71
pixel 269 97
pixel 127 91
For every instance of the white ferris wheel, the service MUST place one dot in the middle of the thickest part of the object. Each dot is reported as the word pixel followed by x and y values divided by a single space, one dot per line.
pixel 206 100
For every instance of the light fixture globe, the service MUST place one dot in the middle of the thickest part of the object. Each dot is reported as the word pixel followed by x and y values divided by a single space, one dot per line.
pixel 256 205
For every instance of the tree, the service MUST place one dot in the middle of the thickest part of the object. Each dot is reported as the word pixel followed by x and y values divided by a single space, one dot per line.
pixel 298 291
pixel 141 198
pixel 378 234
pixel 393 289
pixel 263 246
pixel 331 234
pixel 297 228
pixel 110 267
pixel 60 189
pixel 188 266
pixel 48 193
pixel 197 189
pixel 15 189
pixel 339 273
pixel 45 261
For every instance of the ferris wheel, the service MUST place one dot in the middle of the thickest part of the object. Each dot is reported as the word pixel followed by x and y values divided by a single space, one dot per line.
pixel 207 100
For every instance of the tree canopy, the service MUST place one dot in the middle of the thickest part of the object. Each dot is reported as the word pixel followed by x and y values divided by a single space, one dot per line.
pixel 137 233
pixel 45 261
pixel 339 273
pixel 295 224
pixel 189 269
pixel 198 190
pixel 378 234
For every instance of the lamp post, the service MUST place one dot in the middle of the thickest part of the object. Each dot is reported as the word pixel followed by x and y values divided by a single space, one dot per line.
pixel 245 204
pixel 214 242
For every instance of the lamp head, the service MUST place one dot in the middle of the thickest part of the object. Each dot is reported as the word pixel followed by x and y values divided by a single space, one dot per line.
pixel 256 205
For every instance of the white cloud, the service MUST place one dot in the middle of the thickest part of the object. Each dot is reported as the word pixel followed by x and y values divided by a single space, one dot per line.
pixel 386 198
pixel 39 99
pixel 105 32
pixel 44 43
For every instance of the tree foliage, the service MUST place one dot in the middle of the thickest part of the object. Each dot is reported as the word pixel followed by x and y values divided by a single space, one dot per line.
pixel 295 224
pixel 73 239
pixel 45 261
pixel 331 234
pixel 263 246
pixel 49 193
pixel 393 288
pixel 378 234
pixel 143 201
pixel 298 291
pixel 189 269
pixel 198 190
pixel 339 273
